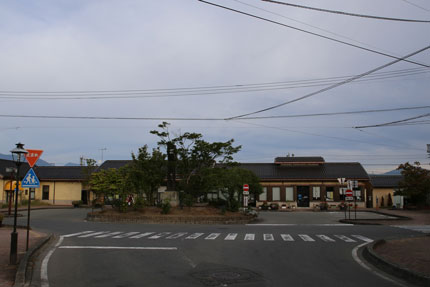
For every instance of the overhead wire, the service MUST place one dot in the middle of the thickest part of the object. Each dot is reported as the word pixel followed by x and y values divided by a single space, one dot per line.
pixel 347 13
pixel 416 5
pixel 202 90
pixel 311 33
pixel 331 86
pixel 393 122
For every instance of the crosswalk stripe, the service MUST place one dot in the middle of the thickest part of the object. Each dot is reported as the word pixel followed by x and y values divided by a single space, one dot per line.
pixel 231 236
pixel 159 235
pixel 176 235
pixel 249 236
pixel 287 237
pixel 325 238
pixel 93 234
pixel 345 238
pixel 142 235
pixel 126 235
pixel 194 236
pixel 108 234
pixel 78 233
pixel 268 237
pixel 306 237
pixel 365 239
pixel 212 236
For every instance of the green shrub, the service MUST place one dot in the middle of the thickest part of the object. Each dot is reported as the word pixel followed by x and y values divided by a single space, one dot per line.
pixel 140 203
pixel 165 207
pixel 77 203
pixel 1 216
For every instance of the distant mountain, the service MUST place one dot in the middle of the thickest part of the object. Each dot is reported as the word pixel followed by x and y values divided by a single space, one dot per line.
pixel 394 172
pixel 40 162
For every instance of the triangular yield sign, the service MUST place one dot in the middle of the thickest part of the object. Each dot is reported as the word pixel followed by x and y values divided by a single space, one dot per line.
pixel 33 155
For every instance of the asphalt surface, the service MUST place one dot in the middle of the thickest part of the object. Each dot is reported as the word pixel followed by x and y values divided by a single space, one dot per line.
pixel 282 249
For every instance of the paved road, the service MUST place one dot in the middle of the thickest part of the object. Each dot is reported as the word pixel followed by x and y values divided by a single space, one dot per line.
pixel 284 249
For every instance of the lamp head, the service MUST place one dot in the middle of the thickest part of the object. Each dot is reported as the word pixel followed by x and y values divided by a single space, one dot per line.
pixel 18 153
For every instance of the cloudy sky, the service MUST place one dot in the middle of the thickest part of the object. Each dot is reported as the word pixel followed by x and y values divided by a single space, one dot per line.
pixel 185 59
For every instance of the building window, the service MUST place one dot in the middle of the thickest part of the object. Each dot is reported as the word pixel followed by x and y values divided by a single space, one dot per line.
pixel 357 193
pixel 32 194
pixel 45 192
pixel 329 193
pixel 289 194
pixel 276 193
pixel 316 193
pixel 263 196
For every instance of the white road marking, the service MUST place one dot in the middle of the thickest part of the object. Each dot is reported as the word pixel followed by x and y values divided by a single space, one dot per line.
pixel 306 237
pixel 194 236
pixel 362 264
pixel 231 236
pixel 249 236
pixel 325 238
pixel 159 235
pixel 44 281
pixel 365 239
pixel 287 237
pixel 142 235
pixel 126 235
pixel 345 238
pixel 93 234
pixel 119 247
pixel 76 234
pixel 176 235
pixel 108 234
pixel 212 236
pixel 268 237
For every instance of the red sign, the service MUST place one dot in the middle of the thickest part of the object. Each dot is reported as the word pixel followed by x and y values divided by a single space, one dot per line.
pixel 348 192
pixel 33 155
pixel 245 187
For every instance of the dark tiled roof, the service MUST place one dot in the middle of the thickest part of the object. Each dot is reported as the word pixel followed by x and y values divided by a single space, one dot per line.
pixel 325 171
pixel 60 173
pixel 385 180
pixel 299 159
pixel 4 163
pixel 114 164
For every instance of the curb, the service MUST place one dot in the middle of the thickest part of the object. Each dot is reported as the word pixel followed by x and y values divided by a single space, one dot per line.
pixel 4 211
pixel 391 268
pixel 373 221
pixel 20 277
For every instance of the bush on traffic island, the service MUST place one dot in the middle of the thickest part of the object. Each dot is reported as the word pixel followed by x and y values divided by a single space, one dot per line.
pixel 77 203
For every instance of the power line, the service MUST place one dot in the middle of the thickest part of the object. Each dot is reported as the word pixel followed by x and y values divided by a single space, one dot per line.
pixel 210 119
pixel 347 13
pixel 309 25
pixel 311 33
pixel 338 113
pixel 393 123
pixel 418 6
pixel 331 86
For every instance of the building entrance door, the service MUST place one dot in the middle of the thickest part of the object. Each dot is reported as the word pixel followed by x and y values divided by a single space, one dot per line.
pixel 84 196
pixel 303 196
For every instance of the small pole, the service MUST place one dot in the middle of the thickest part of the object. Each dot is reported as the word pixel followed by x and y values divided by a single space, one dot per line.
pixel 28 219
pixel 355 207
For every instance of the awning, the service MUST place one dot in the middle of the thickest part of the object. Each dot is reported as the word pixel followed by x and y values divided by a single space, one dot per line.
pixel 11 185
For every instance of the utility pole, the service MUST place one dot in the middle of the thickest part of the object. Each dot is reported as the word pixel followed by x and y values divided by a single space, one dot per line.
pixel 102 150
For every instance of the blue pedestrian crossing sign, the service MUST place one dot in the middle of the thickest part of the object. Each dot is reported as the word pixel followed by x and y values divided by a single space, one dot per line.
pixel 30 180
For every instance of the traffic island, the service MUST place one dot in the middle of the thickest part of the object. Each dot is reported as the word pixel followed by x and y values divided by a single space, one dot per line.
pixel 407 258
pixel 186 215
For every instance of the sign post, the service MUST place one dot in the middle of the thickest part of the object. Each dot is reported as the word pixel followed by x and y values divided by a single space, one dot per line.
pixel 31 181
pixel 245 196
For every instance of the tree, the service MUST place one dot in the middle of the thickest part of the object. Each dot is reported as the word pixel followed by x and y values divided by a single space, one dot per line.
pixel 192 156
pixel 230 181
pixel 415 184
pixel 114 183
pixel 87 171
pixel 147 172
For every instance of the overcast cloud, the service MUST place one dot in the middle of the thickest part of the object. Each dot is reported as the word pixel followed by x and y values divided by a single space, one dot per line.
pixel 51 46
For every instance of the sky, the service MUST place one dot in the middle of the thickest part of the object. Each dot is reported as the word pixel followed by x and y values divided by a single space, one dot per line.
pixel 201 67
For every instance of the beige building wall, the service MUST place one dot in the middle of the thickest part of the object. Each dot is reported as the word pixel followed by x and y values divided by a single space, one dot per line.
pixel 378 193
pixel 60 192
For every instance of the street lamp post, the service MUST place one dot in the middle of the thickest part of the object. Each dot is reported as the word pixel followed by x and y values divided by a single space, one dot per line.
pixel 18 155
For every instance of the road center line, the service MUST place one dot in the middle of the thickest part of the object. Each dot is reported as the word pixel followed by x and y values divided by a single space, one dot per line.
pixel 118 247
